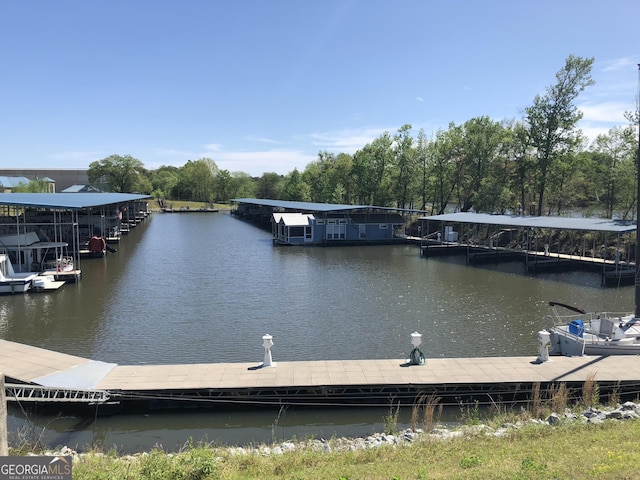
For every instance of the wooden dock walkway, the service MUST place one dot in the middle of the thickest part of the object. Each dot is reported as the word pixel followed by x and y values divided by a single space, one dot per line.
pixel 331 382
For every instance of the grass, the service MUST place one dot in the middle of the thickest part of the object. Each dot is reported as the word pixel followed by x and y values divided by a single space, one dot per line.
pixel 570 451
pixel 178 204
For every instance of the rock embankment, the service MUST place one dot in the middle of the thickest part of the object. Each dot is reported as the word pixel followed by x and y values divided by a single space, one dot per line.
pixel 626 411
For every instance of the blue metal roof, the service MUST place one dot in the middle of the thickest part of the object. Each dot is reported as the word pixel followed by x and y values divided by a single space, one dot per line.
pixel 309 206
pixel 81 188
pixel 559 223
pixel 68 201
pixel 11 182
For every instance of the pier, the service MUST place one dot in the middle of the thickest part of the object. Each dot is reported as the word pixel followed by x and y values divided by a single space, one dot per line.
pixel 327 383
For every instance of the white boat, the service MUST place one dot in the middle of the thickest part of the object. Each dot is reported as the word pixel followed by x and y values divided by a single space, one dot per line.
pixel 12 282
pixel 43 257
pixel 574 332
pixel 605 333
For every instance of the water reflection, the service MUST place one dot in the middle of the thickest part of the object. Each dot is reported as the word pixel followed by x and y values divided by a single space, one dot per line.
pixel 130 433
pixel 205 288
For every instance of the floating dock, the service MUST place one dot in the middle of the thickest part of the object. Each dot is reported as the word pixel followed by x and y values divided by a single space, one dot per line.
pixel 48 376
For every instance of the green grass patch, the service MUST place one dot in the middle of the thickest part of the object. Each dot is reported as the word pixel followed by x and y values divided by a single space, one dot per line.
pixel 586 451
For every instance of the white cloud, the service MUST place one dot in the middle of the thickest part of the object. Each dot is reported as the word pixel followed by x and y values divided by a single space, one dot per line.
pixel 262 140
pixel 607 112
pixel 617 64
pixel 347 141
pixel 420 99
pixel 258 162
pixel 78 158
pixel 213 147
pixel 255 163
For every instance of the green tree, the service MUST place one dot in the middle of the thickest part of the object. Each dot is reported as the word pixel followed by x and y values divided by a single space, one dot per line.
pixel 423 165
pixel 34 186
pixel 341 179
pixel 223 186
pixel 163 180
pixel 553 117
pixel 616 164
pixel 404 166
pixel 481 144
pixel 518 152
pixel 270 186
pixel 116 173
pixel 196 181
pixel 371 172
pixel 316 175
pixel 447 166
pixel 495 193
pixel 242 185
pixel 295 189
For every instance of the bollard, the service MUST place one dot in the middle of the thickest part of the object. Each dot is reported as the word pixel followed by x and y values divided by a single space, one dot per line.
pixel 267 343
pixel 416 357
pixel 544 338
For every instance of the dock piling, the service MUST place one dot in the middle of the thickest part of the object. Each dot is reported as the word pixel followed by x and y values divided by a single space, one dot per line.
pixel 4 440
pixel 267 343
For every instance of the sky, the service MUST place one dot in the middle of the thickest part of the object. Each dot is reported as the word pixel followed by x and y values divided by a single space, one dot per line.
pixel 265 85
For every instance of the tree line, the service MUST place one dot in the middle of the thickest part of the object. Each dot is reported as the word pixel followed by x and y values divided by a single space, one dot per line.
pixel 539 165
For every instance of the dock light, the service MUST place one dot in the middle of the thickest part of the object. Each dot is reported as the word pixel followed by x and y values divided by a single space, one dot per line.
pixel 544 338
pixel 267 343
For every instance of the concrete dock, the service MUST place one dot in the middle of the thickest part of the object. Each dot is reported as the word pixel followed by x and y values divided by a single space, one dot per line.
pixel 331 382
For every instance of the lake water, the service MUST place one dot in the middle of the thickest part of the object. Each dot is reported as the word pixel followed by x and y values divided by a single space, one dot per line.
pixel 205 288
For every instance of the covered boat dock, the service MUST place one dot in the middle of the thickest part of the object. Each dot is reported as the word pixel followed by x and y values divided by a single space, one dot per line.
pixel 40 230
pixel 542 243
pixel 326 224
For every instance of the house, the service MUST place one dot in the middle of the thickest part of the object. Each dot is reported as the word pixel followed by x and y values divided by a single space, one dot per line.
pixel 307 223
pixel 9 183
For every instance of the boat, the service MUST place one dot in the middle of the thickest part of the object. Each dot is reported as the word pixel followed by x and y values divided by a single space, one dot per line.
pixel 23 282
pixel 37 255
pixel 604 333
pixel 11 281
pixel 575 332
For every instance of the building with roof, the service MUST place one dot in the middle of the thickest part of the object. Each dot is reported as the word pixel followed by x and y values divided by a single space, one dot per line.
pixel 81 189
pixel 62 177
pixel 27 219
pixel 544 243
pixel 308 223
pixel 7 184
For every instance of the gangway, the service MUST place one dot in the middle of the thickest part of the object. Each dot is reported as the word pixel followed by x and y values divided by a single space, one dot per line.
pixel 40 394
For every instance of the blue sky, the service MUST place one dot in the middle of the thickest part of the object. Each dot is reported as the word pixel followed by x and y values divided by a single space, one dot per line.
pixel 263 86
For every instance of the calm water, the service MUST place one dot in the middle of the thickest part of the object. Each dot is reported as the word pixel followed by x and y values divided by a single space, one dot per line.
pixel 206 287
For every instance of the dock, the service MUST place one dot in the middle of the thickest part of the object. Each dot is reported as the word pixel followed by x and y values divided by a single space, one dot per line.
pixel 303 383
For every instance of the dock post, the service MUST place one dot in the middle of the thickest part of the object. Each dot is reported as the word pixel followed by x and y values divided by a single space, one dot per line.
pixel 4 440
pixel 267 343
pixel 416 357
pixel 543 352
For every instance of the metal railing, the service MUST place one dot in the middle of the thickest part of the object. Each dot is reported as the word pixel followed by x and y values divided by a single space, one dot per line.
pixel 37 393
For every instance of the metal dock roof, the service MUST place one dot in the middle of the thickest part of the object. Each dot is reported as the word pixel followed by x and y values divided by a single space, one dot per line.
pixel 307 206
pixel 68 201
pixel 559 223
pixel 314 207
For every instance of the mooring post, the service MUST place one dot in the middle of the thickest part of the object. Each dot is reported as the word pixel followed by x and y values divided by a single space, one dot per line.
pixel 416 357
pixel 544 339
pixel 4 439
pixel 267 343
